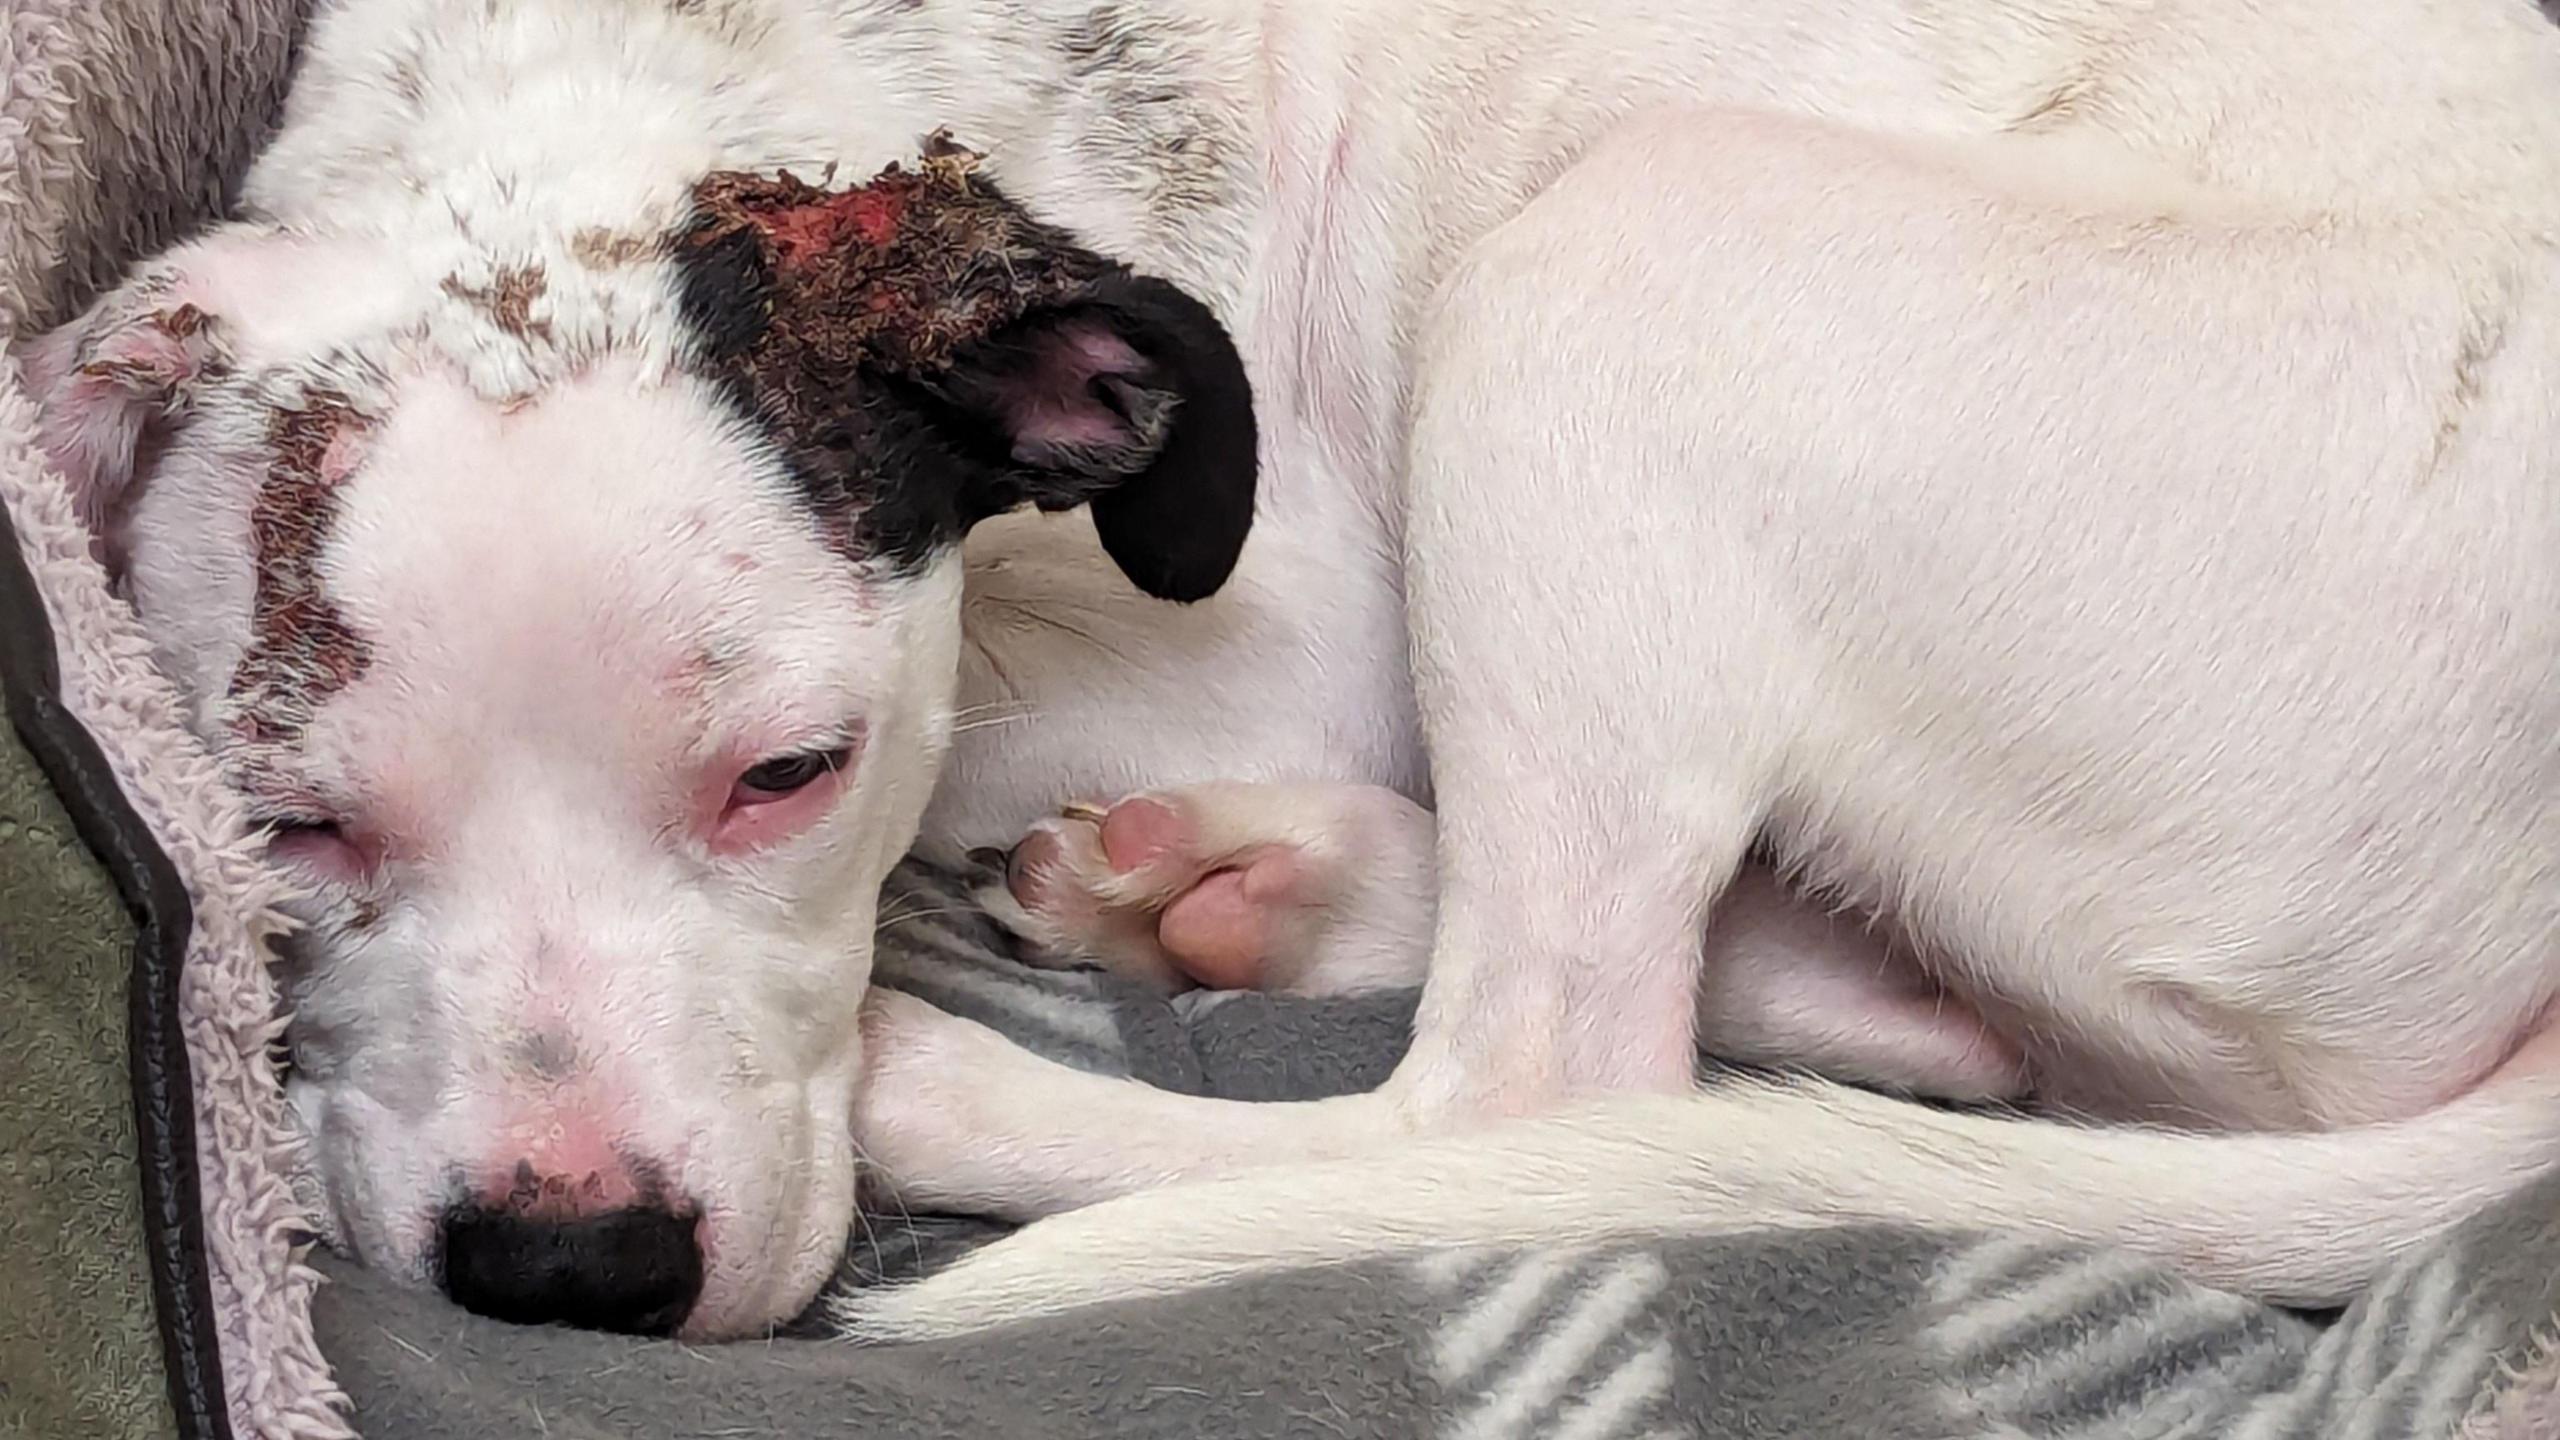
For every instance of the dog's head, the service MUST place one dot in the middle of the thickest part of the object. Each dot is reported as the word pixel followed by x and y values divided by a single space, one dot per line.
pixel 585 625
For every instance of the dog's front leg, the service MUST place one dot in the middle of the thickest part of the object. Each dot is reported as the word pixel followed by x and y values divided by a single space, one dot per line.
pixel 1605 687
pixel 954 1116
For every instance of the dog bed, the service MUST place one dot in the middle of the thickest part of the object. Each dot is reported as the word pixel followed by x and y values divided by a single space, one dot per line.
pixel 156 1277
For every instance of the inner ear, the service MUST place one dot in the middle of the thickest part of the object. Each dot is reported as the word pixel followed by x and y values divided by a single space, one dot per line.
pixel 1072 396
pixel 1130 399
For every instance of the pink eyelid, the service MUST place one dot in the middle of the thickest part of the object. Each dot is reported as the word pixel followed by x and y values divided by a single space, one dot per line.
pixel 346 859
pixel 742 825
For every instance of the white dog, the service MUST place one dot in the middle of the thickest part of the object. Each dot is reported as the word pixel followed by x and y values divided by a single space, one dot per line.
pixel 2077 481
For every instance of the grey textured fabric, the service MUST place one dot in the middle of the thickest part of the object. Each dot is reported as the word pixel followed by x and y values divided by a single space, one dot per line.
pixel 1848 1332
pixel 79 1349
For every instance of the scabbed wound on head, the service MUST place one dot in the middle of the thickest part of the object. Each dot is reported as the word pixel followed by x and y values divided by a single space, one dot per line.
pixel 301 649
pixel 928 355
pixel 900 274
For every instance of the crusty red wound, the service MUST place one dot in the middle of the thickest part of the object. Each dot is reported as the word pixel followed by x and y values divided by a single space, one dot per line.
pixel 896 275
pixel 301 648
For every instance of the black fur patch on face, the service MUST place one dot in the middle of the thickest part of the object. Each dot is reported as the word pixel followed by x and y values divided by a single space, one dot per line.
pixel 851 445
pixel 825 313
pixel 926 355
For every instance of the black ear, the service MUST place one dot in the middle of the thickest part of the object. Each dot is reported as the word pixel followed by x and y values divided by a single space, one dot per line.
pixel 1129 398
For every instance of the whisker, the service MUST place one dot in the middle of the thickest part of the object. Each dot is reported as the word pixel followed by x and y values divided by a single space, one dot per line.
pixel 914 907
pixel 936 913
pixel 863 1219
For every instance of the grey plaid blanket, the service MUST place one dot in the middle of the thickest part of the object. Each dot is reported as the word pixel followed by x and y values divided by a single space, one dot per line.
pixel 1851 1332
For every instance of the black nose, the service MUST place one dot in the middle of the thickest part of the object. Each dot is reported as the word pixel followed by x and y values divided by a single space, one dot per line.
pixel 633 1271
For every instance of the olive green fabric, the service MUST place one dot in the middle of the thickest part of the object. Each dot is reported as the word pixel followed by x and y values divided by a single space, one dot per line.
pixel 80 1354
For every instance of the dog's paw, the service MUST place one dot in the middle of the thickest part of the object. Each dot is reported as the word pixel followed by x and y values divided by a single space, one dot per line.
pixel 1288 888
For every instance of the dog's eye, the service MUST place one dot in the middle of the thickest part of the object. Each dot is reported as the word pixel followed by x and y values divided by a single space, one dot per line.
pixel 319 843
pixel 291 834
pixel 789 774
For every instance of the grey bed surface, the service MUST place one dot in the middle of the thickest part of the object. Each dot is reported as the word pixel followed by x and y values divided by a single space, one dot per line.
pixel 1848 1332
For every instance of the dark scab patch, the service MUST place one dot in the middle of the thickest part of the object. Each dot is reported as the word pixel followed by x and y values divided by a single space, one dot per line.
pixel 301 648
pixel 830 314
pixel 894 276
pixel 598 248
pixel 508 299
pixel 183 321
pixel 553 1197
pixel 111 352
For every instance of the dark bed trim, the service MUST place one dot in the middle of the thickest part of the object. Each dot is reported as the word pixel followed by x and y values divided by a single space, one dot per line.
pixel 155 1049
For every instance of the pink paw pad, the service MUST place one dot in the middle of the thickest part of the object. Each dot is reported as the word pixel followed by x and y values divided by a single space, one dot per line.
pixel 1033 869
pixel 1138 832
pixel 1218 886
pixel 1221 931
